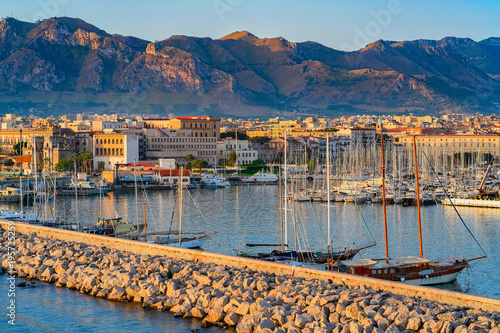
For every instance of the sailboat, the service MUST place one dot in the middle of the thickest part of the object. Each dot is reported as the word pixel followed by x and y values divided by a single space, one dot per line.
pixel 179 238
pixel 410 270
pixel 287 255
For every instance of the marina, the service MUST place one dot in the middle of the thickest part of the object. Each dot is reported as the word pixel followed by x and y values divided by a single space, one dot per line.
pixel 237 213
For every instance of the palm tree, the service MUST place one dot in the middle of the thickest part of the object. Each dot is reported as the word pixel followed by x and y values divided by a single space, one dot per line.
pixel 86 157
pixel 101 165
pixel 76 157
pixel 189 159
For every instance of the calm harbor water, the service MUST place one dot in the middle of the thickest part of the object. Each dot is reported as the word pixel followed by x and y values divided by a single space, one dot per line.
pixel 253 212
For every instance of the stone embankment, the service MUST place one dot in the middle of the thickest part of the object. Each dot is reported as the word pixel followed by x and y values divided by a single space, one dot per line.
pixel 239 297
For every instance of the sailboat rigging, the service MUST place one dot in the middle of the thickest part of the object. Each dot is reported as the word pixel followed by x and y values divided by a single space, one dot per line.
pixel 188 240
pixel 410 270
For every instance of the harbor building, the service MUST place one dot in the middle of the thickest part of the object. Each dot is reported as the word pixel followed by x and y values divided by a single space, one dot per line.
pixel 479 145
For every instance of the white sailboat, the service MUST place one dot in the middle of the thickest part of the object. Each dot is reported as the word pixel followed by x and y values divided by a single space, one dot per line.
pixel 187 240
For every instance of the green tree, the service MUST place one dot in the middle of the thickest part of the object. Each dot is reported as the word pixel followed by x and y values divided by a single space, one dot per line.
pixel 189 159
pixel 200 164
pixel 241 136
pixel 64 165
pixel 100 166
pixel 258 163
pixel 8 163
pixel 231 159
pixel 76 157
pixel 87 157
pixel 311 166
pixel 17 145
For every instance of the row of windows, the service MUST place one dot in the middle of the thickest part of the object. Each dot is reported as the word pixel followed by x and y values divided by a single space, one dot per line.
pixel 199 153
pixel 457 139
pixel 108 141
pixel 196 125
pixel 109 151
pixel 471 145
pixel 181 146
pixel 180 140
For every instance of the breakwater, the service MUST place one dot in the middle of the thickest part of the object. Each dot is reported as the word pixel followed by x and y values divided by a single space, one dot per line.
pixel 231 291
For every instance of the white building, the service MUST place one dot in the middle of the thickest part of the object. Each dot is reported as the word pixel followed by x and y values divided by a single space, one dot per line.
pixel 244 155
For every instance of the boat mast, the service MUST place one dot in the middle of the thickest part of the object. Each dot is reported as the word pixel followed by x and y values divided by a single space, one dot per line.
pixel 328 185
pixel 181 172
pixel 286 195
pixel 144 206
pixel 418 197
pixel 236 152
pixel 136 204
pixel 380 127
pixel 21 170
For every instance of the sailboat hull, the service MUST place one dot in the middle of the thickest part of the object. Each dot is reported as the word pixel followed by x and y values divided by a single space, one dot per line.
pixel 413 274
pixel 431 280
pixel 189 244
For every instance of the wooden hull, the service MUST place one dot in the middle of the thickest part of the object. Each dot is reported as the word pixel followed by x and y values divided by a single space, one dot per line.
pixel 413 274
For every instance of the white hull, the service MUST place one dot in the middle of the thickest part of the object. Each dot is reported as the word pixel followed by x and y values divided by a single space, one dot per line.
pixel 191 244
pixel 472 203
pixel 433 280
pixel 261 177
pixel 302 198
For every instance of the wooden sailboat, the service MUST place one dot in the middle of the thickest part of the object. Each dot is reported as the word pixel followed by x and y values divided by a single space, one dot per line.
pixel 410 270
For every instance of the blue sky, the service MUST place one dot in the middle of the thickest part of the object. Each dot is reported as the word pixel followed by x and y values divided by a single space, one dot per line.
pixel 346 25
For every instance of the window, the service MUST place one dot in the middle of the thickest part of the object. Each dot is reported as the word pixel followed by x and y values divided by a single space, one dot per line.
pixel 113 141
pixel 113 151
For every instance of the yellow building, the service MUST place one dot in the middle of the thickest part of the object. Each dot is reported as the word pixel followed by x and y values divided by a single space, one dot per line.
pixel 52 143
pixel 258 133
pixel 115 148
pixel 450 144
pixel 278 130
pixel 200 126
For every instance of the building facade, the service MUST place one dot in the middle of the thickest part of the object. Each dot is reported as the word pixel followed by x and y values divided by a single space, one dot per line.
pixel 115 148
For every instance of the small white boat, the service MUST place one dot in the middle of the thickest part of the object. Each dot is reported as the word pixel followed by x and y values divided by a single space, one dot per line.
pixel 212 181
pixel 261 177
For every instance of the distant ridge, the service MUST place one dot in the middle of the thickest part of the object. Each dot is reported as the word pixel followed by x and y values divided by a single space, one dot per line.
pixel 66 65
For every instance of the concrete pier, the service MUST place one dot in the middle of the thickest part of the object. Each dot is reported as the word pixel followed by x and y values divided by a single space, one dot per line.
pixel 234 282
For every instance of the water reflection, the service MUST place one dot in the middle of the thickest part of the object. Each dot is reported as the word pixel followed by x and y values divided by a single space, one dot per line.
pixel 254 211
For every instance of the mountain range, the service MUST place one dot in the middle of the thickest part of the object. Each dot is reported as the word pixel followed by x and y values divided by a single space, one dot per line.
pixel 66 65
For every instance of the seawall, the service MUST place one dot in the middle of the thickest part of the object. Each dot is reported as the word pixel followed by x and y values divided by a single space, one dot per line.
pixel 142 248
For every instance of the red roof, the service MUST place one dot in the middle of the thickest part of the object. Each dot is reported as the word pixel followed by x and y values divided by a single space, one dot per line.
pixel 193 118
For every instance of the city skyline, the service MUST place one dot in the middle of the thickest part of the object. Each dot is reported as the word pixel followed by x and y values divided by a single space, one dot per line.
pixel 340 25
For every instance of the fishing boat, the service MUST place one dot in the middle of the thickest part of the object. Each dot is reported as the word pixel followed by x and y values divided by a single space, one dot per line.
pixel 13 194
pixel 114 226
pixel 410 270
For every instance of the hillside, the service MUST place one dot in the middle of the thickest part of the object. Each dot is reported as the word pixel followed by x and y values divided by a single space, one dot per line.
pixel 65 65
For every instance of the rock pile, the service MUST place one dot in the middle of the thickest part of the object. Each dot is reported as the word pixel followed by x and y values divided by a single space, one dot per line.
pixel 248 300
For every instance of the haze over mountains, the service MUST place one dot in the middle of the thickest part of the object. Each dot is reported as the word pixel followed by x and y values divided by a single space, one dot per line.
pixel 66 65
